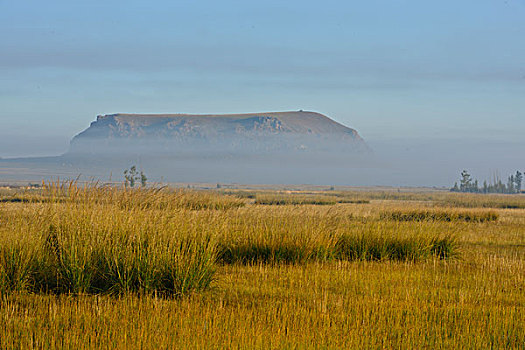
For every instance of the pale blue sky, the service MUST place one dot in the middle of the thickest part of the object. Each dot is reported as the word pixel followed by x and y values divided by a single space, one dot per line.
pixel 391 69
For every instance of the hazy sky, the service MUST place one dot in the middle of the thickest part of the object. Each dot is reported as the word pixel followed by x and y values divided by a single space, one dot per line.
pixel 391 69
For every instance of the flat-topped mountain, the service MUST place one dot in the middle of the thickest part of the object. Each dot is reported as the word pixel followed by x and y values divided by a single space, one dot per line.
pixel 272 132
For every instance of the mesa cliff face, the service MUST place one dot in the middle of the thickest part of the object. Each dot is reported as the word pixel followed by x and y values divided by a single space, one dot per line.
pixel 186 134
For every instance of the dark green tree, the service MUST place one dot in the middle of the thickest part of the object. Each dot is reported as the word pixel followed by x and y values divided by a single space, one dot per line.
pixel 518 179
pixel 469 184
pixel 131 176
pixel 465 182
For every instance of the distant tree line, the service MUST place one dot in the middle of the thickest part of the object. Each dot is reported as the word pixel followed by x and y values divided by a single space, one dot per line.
pixel 471 185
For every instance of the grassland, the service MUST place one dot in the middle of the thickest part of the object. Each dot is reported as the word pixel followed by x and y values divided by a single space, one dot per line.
pixel 101 267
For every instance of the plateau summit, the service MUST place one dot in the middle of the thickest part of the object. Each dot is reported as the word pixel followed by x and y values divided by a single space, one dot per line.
pixel 216 134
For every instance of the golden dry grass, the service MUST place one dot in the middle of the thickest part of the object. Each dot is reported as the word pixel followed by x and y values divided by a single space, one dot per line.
pixel 316 299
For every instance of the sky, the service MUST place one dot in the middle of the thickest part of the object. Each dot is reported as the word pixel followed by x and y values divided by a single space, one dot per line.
pixel 401 72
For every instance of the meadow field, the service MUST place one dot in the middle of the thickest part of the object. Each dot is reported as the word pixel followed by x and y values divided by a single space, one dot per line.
pixel 108 267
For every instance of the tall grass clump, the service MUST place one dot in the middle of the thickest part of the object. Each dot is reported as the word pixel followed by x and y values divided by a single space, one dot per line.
pixel 271 253
pixel 89 244
pixel 178 268
pixel 271 235
pixel 396 241
pixel 17 264
pixel 191 268
pixel 294 236
pixel 445 247
pixel 378 248
pixel 64 266
pixel 169 266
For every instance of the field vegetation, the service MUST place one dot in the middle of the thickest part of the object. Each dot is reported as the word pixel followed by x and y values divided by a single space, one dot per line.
pixel 440 215
pixel 99 266
pixel 423 198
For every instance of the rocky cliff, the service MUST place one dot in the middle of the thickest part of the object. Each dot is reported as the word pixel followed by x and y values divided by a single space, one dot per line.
pixel 177 134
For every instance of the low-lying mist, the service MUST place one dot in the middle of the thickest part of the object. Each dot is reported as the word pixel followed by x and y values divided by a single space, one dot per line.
pixel 394 162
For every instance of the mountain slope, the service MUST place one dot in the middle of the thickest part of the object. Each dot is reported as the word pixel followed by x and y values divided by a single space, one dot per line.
pixel 227 133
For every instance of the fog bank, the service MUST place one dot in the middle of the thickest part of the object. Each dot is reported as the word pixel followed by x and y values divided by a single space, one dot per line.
pixel 394 162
